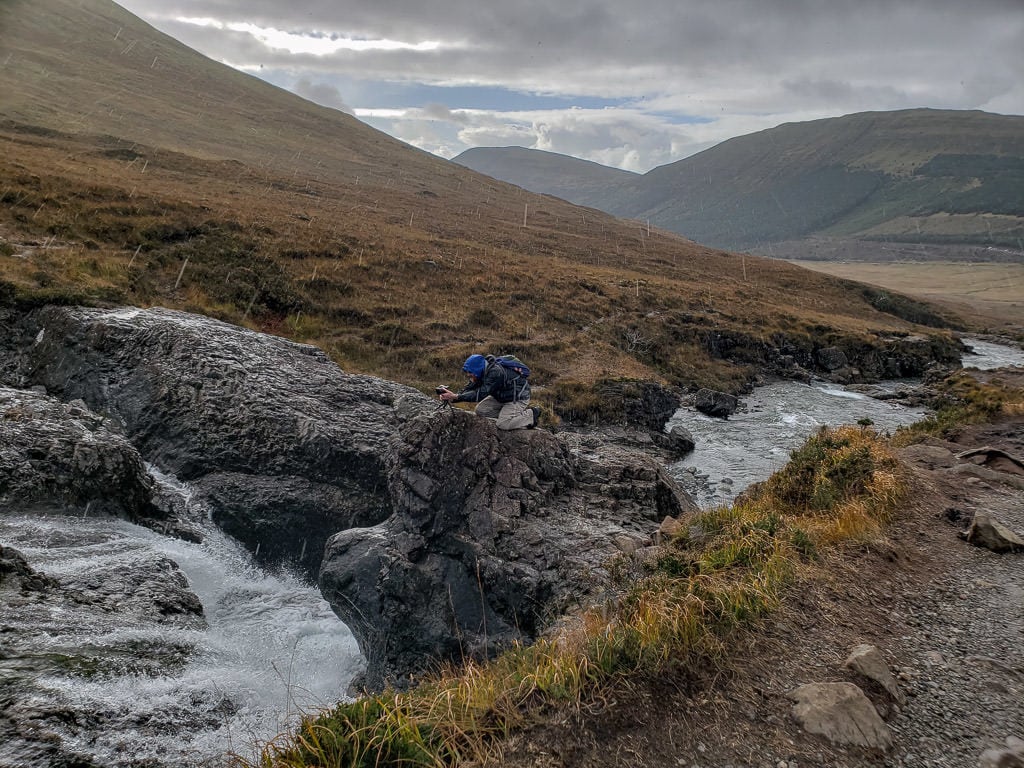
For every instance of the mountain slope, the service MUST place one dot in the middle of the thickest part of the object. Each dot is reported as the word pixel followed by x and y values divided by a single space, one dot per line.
pixel 579 181
pixel 915 175
pixel 135 170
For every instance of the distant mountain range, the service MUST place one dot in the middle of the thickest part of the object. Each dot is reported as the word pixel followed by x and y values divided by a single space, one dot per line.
pixel 919 175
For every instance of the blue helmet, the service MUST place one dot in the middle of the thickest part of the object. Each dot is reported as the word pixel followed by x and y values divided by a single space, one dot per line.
pixel 475 364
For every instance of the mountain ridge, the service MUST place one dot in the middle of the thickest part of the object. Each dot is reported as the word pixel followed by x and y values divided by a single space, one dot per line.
pixel 919 175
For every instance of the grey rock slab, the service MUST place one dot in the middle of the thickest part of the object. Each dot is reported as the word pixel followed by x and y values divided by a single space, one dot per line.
pixel 842 713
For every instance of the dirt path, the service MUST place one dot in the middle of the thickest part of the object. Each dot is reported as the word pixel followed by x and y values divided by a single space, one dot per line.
pixel 948 617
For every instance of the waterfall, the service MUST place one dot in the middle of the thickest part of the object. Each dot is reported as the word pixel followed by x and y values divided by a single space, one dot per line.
pixel 126 685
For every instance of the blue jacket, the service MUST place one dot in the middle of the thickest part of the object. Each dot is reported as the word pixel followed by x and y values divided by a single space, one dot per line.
pixel 499 382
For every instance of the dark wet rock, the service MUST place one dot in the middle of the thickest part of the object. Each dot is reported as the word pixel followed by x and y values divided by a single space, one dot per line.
pixel 627 403
pixel 152 588
pixel 445 538
pixel 494 533
pixel 62 457
pixel 645 404
pixel 718 404
pixel 238 412
pixel 868 357
pixel 288 519
pixel 16 575
pixel 677 440
pixel 197 396
pixel 832 359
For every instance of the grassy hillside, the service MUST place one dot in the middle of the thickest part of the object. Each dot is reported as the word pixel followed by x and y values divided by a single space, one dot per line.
pixel 926 176
pixel 136 170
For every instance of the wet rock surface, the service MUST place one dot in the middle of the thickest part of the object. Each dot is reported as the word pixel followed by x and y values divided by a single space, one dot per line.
pixel 58 456
pixel 494 533
pixel 449 539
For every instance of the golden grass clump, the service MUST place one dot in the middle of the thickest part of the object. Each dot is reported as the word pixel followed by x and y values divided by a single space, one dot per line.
pixel 965 398
pixel 676 611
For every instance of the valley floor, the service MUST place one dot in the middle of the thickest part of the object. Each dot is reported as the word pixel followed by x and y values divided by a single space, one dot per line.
pixel 987 294
pixel 947 616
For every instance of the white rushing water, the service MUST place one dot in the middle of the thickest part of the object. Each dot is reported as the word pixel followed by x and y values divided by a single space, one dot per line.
pixel 756 441
pixel 985 355
pixel 122 687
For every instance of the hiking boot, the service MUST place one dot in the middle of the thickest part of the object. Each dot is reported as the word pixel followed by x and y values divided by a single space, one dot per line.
pixel 536 417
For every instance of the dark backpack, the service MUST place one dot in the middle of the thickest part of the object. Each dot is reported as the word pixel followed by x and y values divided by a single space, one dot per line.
pixel 513 363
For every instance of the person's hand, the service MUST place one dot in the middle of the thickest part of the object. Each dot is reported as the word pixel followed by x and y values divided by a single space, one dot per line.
pixel 448 395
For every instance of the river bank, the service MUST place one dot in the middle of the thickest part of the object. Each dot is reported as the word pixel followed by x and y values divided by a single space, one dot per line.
pixel 947 616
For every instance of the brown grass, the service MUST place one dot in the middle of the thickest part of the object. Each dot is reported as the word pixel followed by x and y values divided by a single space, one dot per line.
pixel 991 295
pixel 576 293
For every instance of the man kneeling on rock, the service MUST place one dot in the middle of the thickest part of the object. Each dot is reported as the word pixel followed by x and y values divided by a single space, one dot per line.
pixel 500 387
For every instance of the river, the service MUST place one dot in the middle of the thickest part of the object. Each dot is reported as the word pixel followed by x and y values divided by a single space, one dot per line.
pixel 129 689
pixel 732 454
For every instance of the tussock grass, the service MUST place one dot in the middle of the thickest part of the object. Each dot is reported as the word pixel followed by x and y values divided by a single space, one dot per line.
pixel 964 399
pixel 674 611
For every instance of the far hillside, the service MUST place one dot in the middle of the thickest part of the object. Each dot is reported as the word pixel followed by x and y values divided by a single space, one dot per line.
pixel 919 176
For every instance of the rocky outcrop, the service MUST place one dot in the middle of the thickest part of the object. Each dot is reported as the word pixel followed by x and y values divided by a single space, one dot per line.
pixel 844 359
pixel 283 447
pixel 62 457
pixel 493 533
pixel 444 538
pixel 718 404
pixel 16 575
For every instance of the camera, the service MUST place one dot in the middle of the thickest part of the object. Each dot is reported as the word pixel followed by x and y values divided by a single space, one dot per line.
pixel 440 388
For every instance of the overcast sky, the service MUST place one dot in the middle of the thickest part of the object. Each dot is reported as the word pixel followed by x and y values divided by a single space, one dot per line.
pixel 627 83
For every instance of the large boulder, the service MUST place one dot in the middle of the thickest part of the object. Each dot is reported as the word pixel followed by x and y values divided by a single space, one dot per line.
pixel 714 403
pixel 60 457
pixel 283 448
pixel 493 533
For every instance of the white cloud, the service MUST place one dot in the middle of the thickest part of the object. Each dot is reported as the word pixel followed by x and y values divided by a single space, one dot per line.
pixel 313 42
pixel 738 65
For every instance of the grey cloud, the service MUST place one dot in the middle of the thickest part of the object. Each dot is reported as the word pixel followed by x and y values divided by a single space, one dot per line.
pixel 746 64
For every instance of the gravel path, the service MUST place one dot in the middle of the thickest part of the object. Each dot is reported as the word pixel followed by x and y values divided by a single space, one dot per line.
pixel 963 658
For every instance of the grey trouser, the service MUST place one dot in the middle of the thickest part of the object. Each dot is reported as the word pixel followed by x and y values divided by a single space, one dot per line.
pixel 515 415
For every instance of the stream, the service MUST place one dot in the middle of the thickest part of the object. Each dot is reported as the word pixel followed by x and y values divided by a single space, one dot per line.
pixel 129 686
pixel 774 420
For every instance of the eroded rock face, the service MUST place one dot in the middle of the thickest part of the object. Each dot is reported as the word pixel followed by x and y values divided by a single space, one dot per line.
pixel 492 533
pixel 446 539
pixel 284 448
pixel 58 457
